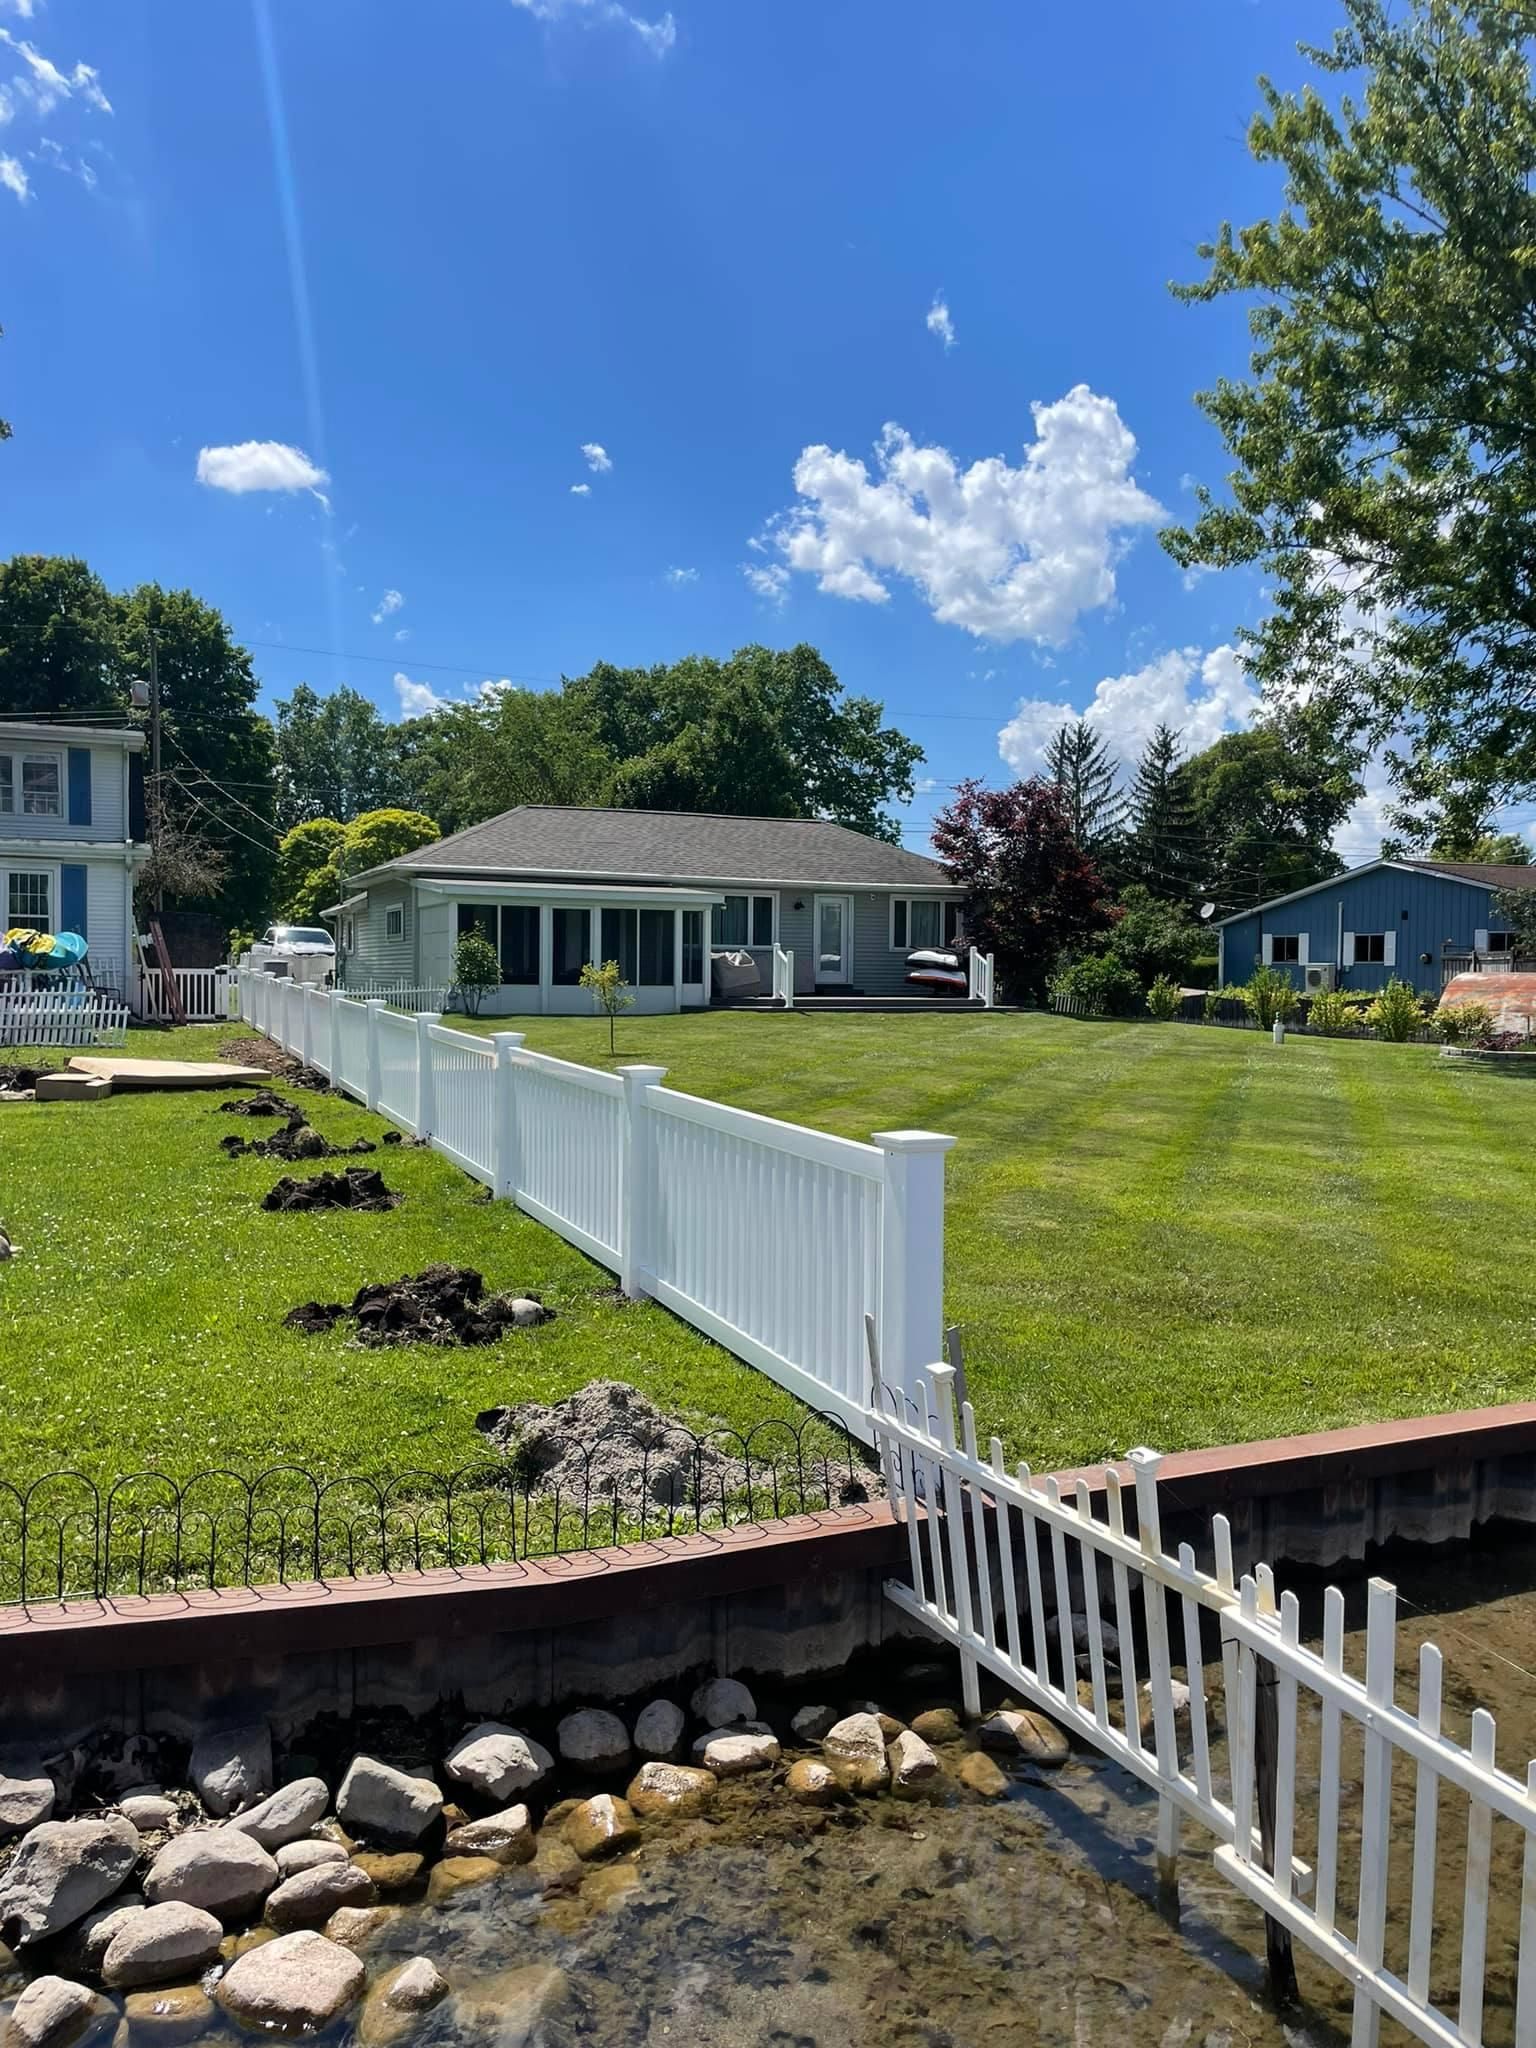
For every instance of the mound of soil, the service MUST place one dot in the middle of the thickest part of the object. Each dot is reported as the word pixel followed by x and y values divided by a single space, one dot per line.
pixel 607 1441
pixel 263 1102
pixel 439 1305
pixel 296 1140
pixel 359 1187
pixel 25 1076
pixel 261 1052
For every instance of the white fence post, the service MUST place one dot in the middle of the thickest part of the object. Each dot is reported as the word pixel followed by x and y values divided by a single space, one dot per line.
pixel 332 1038
pixel 504 1116
pixel 426 1091
pixel 911 1254
pixel 639 1201
pixel 307 1026
pixel 373 1079
pixel 1145 1466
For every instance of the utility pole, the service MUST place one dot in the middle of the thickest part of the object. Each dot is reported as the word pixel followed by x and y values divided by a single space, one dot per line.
pixel 154 760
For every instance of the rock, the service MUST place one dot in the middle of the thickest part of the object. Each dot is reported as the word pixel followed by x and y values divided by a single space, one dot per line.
pixel 670 1788
pixel 507 2009
pixel 289 1813
pixel 151 1812
pixel 161 1945
pixel 457 1873
pixel 53 2013
pixel 219 1869
pixel 810 1783
pixel 938 1724
pixel 890 1727
pixel 732 1752
pixel 981 1774
pixel 236 1944
pixel 232 1767
pixel 1021 1732
pixel 391 1873
pixel 1181 1708
pixel 556 1867
pixel 355 1926
pixel 811 1723
pixel 496 1761
pixel 610 1885
pixel 299 1981
pixel 1082 1641
pixel 659 1730
pixel 310 1897
pixel 595 1738
pixel 60 1870
pixel 913 1766
pixel 601 1825
pixel 89 1939
pixel 389 1805
pixel 398 1999
pixel 26 1793
pixel 723 1702
pixel 307 1855
pixel 506 1837
pixel 170 2015
pixel 855 1748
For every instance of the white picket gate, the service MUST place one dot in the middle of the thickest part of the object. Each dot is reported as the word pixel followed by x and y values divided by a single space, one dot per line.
pixel 1017 1577
pixel 775 1240
pixel 980 978
pixel 205 993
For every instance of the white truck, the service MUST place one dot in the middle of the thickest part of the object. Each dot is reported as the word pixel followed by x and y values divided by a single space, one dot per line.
pixel 302 952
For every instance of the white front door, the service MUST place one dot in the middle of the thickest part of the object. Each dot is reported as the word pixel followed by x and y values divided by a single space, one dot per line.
pixel 832 938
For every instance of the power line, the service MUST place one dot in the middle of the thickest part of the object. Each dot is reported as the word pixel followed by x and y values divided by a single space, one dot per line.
pixel 236 801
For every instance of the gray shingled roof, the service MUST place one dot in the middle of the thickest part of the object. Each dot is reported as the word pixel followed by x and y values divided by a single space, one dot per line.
pixel 551 840
pixel 1497 874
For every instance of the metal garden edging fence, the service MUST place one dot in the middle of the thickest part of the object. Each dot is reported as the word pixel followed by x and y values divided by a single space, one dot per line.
pixel 775 1240
pixel 1017 1576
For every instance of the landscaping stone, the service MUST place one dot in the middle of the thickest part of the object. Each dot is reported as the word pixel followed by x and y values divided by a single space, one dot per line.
pixel 60 1871
pixel 219 1869
pixel 601 1825
pixel 170 2015
pixel 309 1854
pixel 232 1768
pixel 236 1944
pixel 938 1724
pixel 89 1939
pixel 981 1774
pixel 496 1761
pixel 53 2013
pixel 388 1805
pixel 670 1788
pixel 659 1730
pixel 506 1837
pixel 810 1724
pixel 890 1727
pixel 163 1944
pixel 810 1783
pixel 355 1926
pixel 733 1752
pixel 913 1766
pixel 299 1981
pixel 1022 1732
pixel 309 1898
pixel 595 1738
pixel 855 1749
pixel 398 1999
pixel 456 1873
pixel 722 1703
pixel 287 1814
pixel 151 1812
pixel 390 1873
pixel 26 1794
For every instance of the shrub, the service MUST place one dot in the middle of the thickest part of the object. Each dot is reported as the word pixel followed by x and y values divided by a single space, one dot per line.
pixel 1331 1012
pixel 1108 988
pixel 1165 999
pixel 476 970
pixel 1270 997
pixel 1396 1013
pixel 610 992
pixel 1464 1023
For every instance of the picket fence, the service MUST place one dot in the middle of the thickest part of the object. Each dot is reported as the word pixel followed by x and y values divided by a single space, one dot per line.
pixel 784 977
pixel 980 978
pixel 1029 1583
pixel 62 1017
pixel 206 994
pixel 776 1241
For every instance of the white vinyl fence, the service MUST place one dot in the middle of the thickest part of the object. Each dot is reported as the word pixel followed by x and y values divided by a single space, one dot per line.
pixel 1027 1582
pixel 776 1241
pixel 980 978
pixel 206 993
pixel 68 1017
pixel 784 977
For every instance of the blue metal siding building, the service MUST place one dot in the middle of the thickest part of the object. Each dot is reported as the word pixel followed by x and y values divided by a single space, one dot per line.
pixel 1389 919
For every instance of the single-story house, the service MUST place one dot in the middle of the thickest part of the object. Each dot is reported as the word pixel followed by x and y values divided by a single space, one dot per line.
pixel 554 887
pixel 72 835
pixel 1419 921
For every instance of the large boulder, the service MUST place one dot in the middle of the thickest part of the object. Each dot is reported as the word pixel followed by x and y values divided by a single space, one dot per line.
pixel 232 1767
pixel 53 2013
pixel 286 1815
pixel 722 1702
pixel 659 1730
pixel 219 1869
pixel 60 1871
pixel 506 1837
pixel 595 1739
pixel 855 1749
pixel 310 1897
pixel 87 1942
pixel 495 1761
pixel 670 1788
pixel 26 1793
pixel 164 1944
pixel 170 2016
pixel 387 1805
pixel 298 1983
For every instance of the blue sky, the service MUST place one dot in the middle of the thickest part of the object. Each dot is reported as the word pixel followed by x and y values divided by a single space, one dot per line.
pixel 316 308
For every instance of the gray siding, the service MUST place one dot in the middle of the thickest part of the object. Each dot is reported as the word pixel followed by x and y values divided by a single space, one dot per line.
pixel 379 959
pixel 1425 912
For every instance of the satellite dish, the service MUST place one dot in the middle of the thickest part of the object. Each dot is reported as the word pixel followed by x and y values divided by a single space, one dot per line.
pixel 1207 910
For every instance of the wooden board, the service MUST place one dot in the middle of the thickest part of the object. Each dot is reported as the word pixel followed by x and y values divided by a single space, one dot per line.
pixel 131 1073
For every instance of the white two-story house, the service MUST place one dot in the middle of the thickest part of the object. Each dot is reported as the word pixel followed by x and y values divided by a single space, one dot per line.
pixel 72 835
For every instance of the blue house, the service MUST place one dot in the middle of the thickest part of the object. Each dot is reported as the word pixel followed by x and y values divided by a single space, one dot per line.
pixel 1419 921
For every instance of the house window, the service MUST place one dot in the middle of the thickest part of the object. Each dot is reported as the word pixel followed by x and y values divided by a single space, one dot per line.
pixel 693 946
pixel 744 921
pixel 571 937
pixel 641 942
pixel 1285 946
pixel 29 898
pixel 394 921
pixel 923 922
pixel 1501 942
pixel 477 917
pixel 520 944
pixel 1370 949
pixel 348 935
pixel 32 785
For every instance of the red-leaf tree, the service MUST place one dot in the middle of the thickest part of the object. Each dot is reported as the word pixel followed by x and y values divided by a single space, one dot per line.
pixel 1031 890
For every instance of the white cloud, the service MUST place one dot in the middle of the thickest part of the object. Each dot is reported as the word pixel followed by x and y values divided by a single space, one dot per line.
pixel 1006 553
pixel 598 458
pixel 388 605
pixel 259 466
pixel 581 490
pixel 44 84
pixel 417 700
pixel 1200 695
pixel 678 576
pixel 658 36
pixel 925 785
pixel 402 633
pixel 939 322
pixel 15 179
pixel 770 580
pixel 23 8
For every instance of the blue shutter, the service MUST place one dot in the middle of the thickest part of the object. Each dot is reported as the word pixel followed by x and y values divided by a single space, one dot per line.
pixel 80 786
pixel 72 894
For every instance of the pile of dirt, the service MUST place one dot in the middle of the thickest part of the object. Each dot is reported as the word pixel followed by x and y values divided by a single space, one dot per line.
pixel 296 1140
pixel 359 1187
pixel 14 1079
pixel 263 1102
pixel 439 1305
pixel 607 1442
pixel 261 1052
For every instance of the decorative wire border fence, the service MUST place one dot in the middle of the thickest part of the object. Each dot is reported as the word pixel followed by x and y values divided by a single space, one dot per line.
pixel 64 1537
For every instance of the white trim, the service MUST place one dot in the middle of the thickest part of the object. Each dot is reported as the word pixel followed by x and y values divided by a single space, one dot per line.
pixel 9 867
pixel 1389 948
pixel 845 977
pixel 616 893
pixel 1349 951
pixel 1267 950
pixel 1370 867
pixel 749 943
pixel 1303 949
pixel 589 879
pixel 1480 941
pixel 36 751
pixel 909 897
pixel 127 736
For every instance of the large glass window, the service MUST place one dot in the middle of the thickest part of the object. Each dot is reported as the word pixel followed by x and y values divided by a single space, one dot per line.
pixel 478 917
pixel 571 936
pixel 693 946
pixel 29 898
pixel 923 921
pixel 32 785
pixel 641 942
pixel 743 921
pixel 520 944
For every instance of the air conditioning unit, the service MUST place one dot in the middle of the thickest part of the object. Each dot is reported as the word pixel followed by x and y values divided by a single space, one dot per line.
pixel 1320 978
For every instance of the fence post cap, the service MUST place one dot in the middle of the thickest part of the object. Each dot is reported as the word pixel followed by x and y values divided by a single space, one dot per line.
pixel 913 1141
pixel 511 1039
pixel 376 1003
pixel 641 1076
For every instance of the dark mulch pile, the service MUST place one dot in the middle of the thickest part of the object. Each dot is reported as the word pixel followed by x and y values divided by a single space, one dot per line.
pixel 263 1102
pixel 25 1077
pixel 261 1052
pixel 296 1140
pixel 359 1187
pixel 439 1305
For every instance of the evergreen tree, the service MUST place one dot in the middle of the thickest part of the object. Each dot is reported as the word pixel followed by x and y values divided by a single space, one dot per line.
pixel 1161 849
pixel 1083 769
